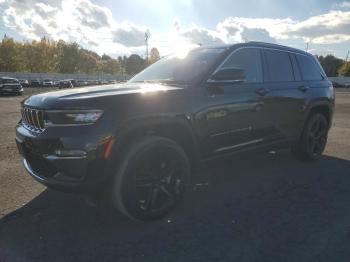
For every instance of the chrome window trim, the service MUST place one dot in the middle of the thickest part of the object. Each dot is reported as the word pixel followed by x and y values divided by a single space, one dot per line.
pixel 246 47
pixel 239 145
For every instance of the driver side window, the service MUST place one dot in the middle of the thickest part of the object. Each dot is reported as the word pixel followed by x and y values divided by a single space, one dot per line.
pixel 248 60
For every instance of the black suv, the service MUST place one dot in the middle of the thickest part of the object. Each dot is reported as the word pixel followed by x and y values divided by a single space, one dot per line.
pixel 141 140
pixel 10 86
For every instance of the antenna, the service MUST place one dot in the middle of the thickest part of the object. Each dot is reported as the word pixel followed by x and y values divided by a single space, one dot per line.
pixel 147 36
pixel 307 47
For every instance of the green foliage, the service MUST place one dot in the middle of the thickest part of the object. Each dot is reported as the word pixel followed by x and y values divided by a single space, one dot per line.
pixel 331 64
pixel 67 57
pixel 111 66
pixel 345 69
pixel 87 62
pixel 134 64
pixel 10 55
pixel 46 56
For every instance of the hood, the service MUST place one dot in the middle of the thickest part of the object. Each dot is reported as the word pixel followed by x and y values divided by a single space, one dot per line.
pixel 71 96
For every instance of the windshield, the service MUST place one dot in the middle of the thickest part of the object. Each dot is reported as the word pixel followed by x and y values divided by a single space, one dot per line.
pixel 180 69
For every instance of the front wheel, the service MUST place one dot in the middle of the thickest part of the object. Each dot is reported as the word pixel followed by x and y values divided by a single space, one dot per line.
pixel 313 140
pixel 151 178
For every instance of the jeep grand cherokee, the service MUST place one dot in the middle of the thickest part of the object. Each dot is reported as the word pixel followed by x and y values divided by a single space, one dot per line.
pixel 141 140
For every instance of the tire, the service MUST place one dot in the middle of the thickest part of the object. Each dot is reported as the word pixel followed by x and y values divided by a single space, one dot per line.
pixel 313 139
pixel 151 178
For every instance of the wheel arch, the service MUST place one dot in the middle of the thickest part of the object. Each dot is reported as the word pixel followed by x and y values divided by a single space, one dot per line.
pixel 323 107
pixel 176 128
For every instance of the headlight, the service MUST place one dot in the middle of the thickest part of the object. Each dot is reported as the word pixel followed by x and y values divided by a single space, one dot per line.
pixel 72 117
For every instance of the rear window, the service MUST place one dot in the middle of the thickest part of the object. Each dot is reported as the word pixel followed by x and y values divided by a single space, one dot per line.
pixel 309 69
pixel 9 81
pixel 279 66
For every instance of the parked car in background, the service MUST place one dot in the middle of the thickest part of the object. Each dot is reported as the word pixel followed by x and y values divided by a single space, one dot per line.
pixel 336 84
pixel 347 84
pixel 35 83
pixel 112 81
pixel 10 86
pixel 82 83
pixel 74 82
pixel 24 82
pixel 65 84
pixel 48 83
pixel 138 142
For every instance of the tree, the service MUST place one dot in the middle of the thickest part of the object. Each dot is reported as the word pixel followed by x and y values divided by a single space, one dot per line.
pixel 345 69
pixel 331 64
pixel 39 56
pixel 134 64
pixel 88 63
pixel 46 56
pixel 68 57
pixel 111 66
pixel 10 57
pixel 106 57
pixel 154 56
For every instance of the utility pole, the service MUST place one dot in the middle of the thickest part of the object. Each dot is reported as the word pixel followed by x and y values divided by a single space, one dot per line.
pixel 147 36
pixel 307 46
pixel 347 56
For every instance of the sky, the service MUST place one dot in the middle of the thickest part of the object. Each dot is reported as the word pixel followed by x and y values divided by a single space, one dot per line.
pixel 118 27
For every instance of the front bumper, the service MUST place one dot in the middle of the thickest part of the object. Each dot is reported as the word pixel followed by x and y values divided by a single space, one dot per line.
pixel 51 182
pixel 81 173
pixel 11 91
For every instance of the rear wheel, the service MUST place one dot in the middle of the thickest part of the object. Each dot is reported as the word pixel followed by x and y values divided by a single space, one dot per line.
pixel 151 178
pixel 313 140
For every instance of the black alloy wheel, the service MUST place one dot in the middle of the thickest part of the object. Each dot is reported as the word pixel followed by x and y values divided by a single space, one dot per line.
pixel 313 140
pixel 154 180
pixel 317 137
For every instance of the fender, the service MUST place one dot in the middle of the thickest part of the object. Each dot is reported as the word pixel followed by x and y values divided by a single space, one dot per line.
pixel 155 125
pixel 316 103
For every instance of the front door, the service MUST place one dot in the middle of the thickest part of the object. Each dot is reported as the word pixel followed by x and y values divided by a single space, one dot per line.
pixel 232 116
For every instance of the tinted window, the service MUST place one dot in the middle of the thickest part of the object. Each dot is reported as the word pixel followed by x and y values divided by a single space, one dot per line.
pixel 309 68
pixel 279 66
pixel 296 70
pixel 247 59
pixel 9 81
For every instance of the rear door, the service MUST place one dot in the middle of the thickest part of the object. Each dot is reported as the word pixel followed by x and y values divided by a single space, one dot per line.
pixel 231 117
pixel 285 98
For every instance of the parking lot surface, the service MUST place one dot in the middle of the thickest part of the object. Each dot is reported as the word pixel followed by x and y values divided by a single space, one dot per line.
pixel 253 207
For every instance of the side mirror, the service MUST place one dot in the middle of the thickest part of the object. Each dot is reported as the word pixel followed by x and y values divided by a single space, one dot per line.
pixel 230 74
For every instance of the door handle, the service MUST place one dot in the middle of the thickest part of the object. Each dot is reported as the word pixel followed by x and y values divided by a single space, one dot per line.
pixel 262 91
pixel 303 88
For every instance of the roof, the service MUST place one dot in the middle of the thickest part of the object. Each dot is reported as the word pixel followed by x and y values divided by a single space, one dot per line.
pixel 5 77
pixel 258 44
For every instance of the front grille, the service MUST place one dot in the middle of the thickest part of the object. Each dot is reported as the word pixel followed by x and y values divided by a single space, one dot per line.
pixel 33 119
